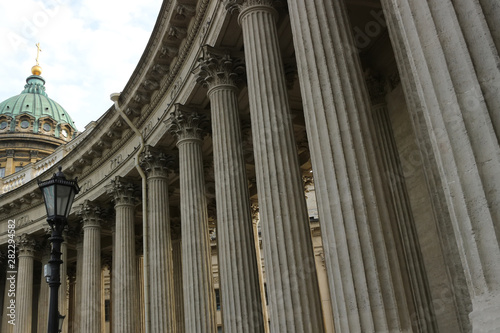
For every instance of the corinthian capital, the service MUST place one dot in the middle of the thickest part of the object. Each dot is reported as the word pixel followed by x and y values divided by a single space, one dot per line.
pixel 155 163
pixel 186 124
pixel 26 244
pixel 90 214
pixel 239 5
pixel 123 191
pixel 218 67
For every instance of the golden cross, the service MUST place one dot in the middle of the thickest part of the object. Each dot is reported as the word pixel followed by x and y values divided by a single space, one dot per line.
pixel 38 50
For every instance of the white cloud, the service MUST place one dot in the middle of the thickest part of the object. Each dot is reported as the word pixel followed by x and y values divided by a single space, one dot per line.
pixel 89 49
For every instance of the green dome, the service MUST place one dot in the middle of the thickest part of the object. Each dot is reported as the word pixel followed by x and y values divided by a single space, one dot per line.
pixel 34 103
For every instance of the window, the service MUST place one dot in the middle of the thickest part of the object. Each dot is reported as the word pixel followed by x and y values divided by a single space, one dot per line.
pixel 217 299
pixel 64 133
pixel 3 125
pixel 47 127
pixel 18 168
pixel 25 124
pixel 2 172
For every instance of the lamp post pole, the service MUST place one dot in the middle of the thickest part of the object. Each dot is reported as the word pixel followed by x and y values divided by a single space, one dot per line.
pixel 58 194
pixel 55 279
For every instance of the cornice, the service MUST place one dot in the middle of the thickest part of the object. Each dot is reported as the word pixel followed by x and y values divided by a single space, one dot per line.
pixel 87 150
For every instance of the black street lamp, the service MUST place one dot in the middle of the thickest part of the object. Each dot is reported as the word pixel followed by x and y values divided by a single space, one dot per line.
pixel 58 194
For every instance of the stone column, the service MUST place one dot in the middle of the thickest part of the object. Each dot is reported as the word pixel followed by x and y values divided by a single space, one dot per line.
pixel 199 302
pixel 448 52
pixel 239 279
pixel 71 316
pixel 179 295
pixel 108 263
pixel 418 291
pixel 43 296
pixel 363 269
pixel 10 280
pixel 159 252
pixel 63 288
pixel 125 312
pixel 90 308
pixel 79 282
pixel 24 284
pixel 254 207
pixel 139 259
pixel 290 269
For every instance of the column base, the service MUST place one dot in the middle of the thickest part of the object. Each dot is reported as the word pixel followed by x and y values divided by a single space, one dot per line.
pixel 485 317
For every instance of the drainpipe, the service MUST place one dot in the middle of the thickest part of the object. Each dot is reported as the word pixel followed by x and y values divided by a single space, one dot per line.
pixel 114 98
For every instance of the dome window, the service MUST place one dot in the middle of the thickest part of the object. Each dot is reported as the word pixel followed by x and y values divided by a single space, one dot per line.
pixel 3 125
pixel 47 127
pixel 64 133
pixel 25 124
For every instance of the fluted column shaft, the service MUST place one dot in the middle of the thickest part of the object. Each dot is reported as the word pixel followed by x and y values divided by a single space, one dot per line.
pixel 43 296
pixel 139 258
pixel 71 317
pixel 79 283
pixel 24 284
pixel 179 295
pixel 161 284
pixel 6 327
pixel 90 308
pixel 448 53
pixel 199 302
pixel 239 279
pixel 363 275
pixel 125 312
pixel 63 288
pixel 419 292
pixel 288 253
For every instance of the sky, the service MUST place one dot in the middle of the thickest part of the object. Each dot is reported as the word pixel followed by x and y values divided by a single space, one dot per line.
pixel 90 49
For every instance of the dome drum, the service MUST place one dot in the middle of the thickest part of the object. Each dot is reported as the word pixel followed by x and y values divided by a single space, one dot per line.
pixel 31 122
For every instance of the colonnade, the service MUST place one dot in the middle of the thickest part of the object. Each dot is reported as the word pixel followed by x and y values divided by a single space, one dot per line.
pixel 376 275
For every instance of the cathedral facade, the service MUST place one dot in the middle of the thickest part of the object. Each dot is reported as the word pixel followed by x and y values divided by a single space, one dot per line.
pixel 275 166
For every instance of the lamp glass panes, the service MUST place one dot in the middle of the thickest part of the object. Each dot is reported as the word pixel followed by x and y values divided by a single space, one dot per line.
pixel 58 193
